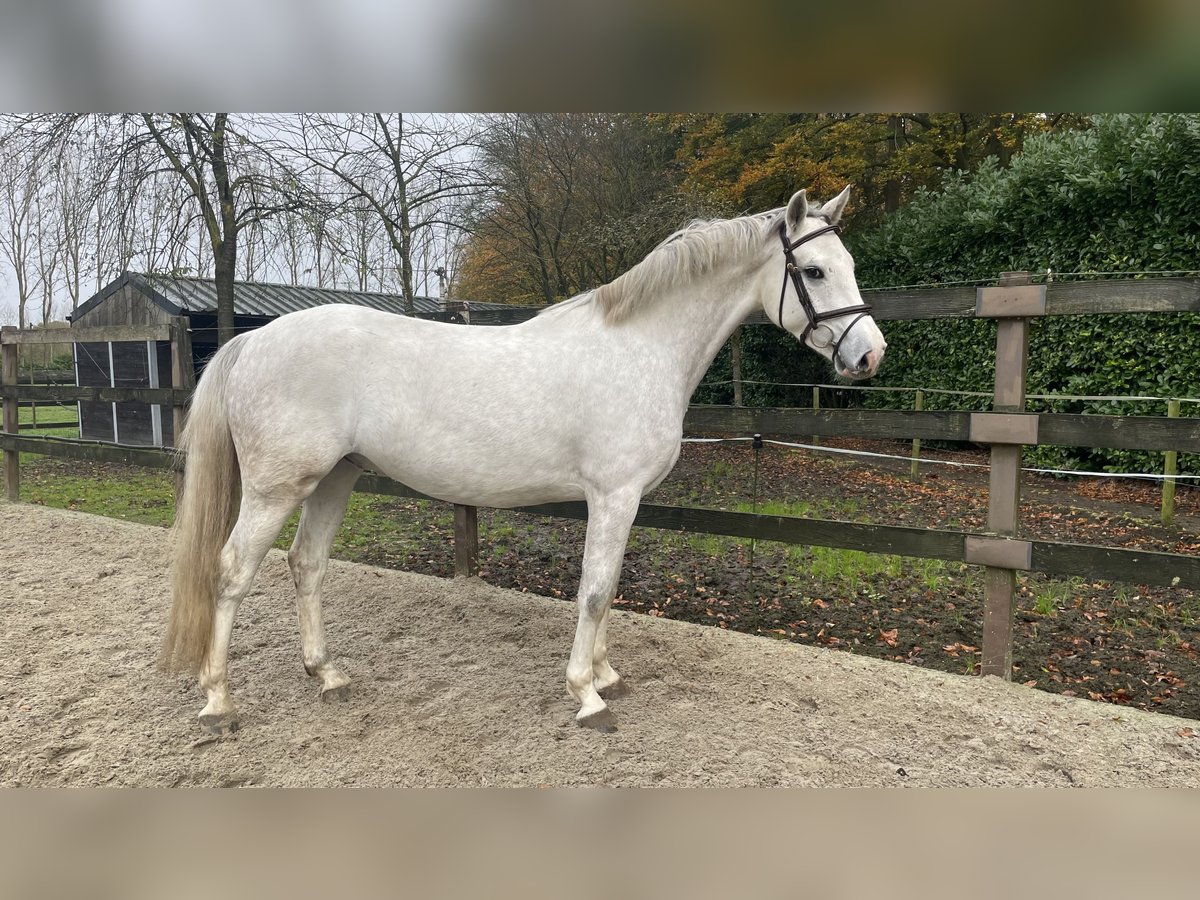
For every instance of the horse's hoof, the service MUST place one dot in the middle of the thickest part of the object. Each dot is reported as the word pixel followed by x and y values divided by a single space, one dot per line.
pixel 338 692
pixel 602 720
pixel 616 690
pixel 220 723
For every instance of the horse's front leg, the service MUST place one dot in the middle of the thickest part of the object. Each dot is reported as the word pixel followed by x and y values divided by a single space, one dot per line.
pixel 609 521
pixel 607 680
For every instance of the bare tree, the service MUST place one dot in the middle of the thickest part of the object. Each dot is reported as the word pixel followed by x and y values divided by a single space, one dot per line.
pixel 74 208
pixel 355 237
pixel 233 182
pixel 412 172
pixel 289 237
pixel 18 194
pixel 46 232
pixel 184 232
pixel 372 202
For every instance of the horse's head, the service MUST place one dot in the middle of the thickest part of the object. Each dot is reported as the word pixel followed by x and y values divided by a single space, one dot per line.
pixel 820 303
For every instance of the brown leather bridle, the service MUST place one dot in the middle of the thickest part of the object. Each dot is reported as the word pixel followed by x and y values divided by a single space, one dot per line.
pixel 815 318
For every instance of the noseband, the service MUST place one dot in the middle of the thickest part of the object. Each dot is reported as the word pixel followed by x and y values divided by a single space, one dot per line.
pixel 815 319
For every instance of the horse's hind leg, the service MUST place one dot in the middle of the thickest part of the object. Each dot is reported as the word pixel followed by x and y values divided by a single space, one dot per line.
pixel 309 558
pixel 258 524
pixel 609 521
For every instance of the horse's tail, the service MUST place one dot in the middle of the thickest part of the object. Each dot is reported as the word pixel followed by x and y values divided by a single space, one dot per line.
pixel 204 518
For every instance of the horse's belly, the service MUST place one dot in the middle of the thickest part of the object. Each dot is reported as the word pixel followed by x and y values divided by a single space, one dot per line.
pixel 522 470
pixel 487 491
pixel 462 477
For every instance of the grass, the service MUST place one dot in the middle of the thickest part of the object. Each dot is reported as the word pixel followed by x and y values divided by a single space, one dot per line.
pixel 847 569
pixel 380 530
pixel 837 565
pixel 1051 595
pixel 55 414
pixel 48 413
pixel 845 510
pixel 146 496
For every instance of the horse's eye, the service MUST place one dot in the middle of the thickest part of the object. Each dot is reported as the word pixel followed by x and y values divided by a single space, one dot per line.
pixel 813 272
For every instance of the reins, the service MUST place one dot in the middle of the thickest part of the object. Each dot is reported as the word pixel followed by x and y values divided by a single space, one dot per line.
pixel 814 318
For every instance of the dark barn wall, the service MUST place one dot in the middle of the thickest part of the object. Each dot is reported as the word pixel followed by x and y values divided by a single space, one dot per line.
pixel 163 351
pixel 92 370
pixel 131 365
pixel 130 368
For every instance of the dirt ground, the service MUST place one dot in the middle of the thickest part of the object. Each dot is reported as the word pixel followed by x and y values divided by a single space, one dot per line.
pixel 460 683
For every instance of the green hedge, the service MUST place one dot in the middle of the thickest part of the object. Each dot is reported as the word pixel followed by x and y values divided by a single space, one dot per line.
pixel 1119 200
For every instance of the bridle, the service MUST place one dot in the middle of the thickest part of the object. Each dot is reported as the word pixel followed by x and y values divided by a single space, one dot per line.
pixel 815 319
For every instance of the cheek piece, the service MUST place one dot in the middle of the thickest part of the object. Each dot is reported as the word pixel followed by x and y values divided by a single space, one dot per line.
pixel 816 319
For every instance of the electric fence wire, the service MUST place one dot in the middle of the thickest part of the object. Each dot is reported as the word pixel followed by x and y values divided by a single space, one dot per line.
pixel 912 390
pixel 944 462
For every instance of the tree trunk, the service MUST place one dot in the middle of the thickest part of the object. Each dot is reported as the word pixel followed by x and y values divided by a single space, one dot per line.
pixel 225 270
pixel 225 251
pixel 891 189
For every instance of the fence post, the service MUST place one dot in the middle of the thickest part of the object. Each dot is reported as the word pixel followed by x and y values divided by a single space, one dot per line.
pixel 466 541
pixel 914 470
pixel 816 395
pixel 1004 483
pixel 9 348
pixel 33 404
pixel 1170 469
pixel 183 377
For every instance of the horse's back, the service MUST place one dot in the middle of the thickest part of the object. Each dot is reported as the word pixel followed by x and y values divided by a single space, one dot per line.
pixel 492 415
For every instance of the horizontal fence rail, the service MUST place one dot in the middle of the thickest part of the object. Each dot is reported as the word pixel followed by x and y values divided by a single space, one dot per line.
pixel 48 426
pixel 92 451
pixel 89 335
pixel 1066 429
pixel 57 393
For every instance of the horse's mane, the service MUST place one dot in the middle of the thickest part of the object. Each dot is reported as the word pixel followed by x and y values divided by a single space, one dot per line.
pixel 689 253
pixel 683 256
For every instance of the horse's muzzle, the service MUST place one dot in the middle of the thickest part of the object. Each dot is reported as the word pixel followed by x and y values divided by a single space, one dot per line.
pixel 867 365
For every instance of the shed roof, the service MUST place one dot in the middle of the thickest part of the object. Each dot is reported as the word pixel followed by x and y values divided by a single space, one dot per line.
pixel 178 295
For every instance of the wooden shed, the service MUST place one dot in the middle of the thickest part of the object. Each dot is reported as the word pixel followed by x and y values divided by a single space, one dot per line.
pixel 136 299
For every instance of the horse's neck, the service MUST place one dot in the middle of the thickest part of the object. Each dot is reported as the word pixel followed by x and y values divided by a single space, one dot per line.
pixel 694 323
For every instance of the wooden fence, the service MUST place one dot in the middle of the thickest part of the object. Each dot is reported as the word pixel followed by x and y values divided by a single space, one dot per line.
pixel 46 377
pixel 1007 428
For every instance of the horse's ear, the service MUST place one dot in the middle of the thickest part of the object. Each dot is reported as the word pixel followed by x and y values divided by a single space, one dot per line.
pixel 834 208
pixel 797 209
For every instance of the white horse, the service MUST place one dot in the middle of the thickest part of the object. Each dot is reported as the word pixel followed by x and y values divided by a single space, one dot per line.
pixel 585 401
